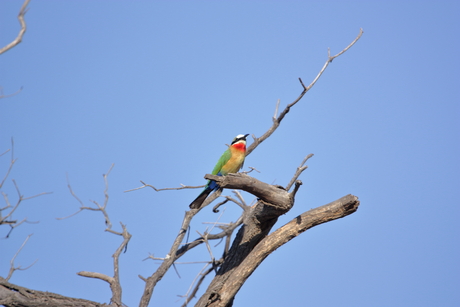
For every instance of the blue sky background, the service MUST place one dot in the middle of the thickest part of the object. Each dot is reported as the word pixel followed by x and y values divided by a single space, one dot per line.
pixel 159 88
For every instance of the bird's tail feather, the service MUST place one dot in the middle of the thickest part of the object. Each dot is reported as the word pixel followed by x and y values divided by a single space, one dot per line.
pixel 196 204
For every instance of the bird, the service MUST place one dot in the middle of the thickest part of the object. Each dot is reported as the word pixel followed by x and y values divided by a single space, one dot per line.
pixel 231 161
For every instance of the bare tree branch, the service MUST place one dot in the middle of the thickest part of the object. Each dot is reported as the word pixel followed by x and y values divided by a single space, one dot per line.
pixel 12 295
pixel 116 285
pixel 5 152
pixel 299 171
pixel 14 223
pixel 245 260
pixel 9 95
pixel 12 161
pixel 251 245
pixel 96 275
pixel 151 281
pixel 175 252
pixel 12 267
pixel 191 293
pixel 22 22
pixel 277 120
pixel 275 196
pixel 100 208
pixel 114 281
pixel 226 232
pixel 273 201
pixel 206 241
pixel 164 189
pixel 250 170
pixel 182 186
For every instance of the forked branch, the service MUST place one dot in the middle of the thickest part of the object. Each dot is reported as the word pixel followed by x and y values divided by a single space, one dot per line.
pixel 225 286
pixel 7 211
pixel 18 268
pixel 299 171
pixel 114 281
pixel 259 219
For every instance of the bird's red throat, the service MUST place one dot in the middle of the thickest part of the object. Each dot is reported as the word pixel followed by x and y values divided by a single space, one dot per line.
pixel 239 146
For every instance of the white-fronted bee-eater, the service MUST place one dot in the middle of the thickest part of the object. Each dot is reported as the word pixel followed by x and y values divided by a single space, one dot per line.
pixel 231 161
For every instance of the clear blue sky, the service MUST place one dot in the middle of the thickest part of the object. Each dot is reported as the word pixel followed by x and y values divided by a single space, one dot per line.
pixel 159 88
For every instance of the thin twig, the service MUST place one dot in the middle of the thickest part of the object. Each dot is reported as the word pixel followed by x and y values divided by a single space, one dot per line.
pixel 101 208
pixel 175 252
pixel 240 197
pixel 276 109
pixel 12 160
pixel 114 281
pixel 241 204
pixel 277 121
pixel 226 231
pixel 5 219
pixel 215 209
pixel 217 224
pixel 206 234
pixel 9 95
pixel 96 275
pixel 22 22
pixel 106 198
pixel 251 169
pixel 205 239
pixel 6 151
pixel 164 189
pixel 12 268
pixel 151 281
pixel 191 293
pixel 299 171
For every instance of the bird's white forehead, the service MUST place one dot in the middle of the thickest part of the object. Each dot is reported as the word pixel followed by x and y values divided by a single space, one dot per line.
pixel 239 136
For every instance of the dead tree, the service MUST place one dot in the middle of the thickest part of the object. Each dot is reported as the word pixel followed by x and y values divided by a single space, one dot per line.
pixel 251 245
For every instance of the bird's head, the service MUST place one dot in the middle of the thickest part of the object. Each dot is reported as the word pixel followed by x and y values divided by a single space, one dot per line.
pixel 240 139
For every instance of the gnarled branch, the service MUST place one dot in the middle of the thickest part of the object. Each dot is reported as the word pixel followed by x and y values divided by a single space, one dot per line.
pixel 232 276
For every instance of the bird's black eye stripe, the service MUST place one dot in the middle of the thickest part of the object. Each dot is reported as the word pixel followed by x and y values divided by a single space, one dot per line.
pixel 239 139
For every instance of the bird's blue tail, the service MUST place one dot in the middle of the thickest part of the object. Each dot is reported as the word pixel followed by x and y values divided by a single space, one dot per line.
pixel 212 185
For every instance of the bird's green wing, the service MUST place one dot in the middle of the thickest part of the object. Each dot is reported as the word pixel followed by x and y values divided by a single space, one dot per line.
pixel 223 159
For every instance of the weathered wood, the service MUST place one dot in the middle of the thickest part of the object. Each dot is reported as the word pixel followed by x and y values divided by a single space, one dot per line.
pixel 16 296
pixel 274 195
pixel 252 246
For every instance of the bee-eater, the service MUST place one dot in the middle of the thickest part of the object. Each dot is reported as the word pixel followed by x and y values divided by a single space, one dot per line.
pixel 231 161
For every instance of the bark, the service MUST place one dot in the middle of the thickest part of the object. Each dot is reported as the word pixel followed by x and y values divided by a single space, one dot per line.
pixel 276 196
pixel 252 246
pixel 16 296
